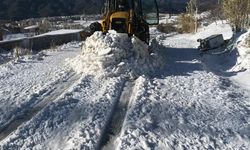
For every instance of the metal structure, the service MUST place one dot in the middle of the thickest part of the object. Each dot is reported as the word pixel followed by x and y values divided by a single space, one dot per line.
pixel 129 16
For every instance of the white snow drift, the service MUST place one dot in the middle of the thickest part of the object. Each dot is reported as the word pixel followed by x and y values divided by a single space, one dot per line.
pixel 115 54
pixel 243 60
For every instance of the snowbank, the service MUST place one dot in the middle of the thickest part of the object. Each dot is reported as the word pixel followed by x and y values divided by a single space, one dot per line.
pixel 71 45
pixel 62 31
pixel 115 54
pixel 243 61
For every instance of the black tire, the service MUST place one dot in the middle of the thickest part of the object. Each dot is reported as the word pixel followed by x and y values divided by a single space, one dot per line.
pixel 95 26
pixel 143 33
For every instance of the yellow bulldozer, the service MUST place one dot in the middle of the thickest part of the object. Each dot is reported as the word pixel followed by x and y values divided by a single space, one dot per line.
pixel 128 16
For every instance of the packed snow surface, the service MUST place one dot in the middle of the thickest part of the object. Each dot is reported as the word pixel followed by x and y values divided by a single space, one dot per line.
pixel 24 81
pixel 179 99
pixel 194 105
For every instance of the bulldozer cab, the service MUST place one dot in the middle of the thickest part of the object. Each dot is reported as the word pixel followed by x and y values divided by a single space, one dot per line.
pixel 150 11
pixel 144 9
pixel 122 5
pixel 129 16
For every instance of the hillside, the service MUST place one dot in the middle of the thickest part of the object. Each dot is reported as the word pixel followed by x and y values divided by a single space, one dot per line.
pixel 22 9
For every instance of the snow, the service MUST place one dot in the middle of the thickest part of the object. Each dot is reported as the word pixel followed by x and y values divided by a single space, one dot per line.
pixel 85 23
pixel 215 28
pixel 190 106
pixel 62 31
pixel 72 121
pixel 115 54
pixel 68 115
pixel 23 80
pixel 65 98
pixel 243 62
pixel 168 19
pixel 200 111
pixel 31 27
pixel 10 37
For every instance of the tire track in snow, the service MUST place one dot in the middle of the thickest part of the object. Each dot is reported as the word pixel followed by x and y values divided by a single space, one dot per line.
pixel 114 125
pixel 28 114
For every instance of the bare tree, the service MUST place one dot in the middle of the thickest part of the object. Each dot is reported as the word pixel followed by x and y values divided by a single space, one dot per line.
pixel 45 26
pixel 217 12
pixel 192 11
pixel 237 13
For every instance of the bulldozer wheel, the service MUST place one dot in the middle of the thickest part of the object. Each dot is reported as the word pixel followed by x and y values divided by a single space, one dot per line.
pixel 144 38
pixel 95 26
pixel 144 34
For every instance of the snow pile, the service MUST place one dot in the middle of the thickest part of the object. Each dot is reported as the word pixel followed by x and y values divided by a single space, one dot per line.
pixel 74 44
pixel 60 32
pixel 243 61
pixel 115 54
pixel 244 52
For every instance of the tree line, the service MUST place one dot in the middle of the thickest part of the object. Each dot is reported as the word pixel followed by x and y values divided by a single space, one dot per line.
pixel 236 12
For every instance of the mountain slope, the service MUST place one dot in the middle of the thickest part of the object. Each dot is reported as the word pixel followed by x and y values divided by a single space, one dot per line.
pixel 20 9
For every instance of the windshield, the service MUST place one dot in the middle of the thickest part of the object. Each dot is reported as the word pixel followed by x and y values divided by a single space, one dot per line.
pixel 119 5
pixel 122 5
pixel 150 11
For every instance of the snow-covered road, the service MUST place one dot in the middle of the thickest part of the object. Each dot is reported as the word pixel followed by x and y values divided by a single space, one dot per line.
pixel 26 82
pixel 198 110
pixel 114 101
pixel 189 105
pixel 187 112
